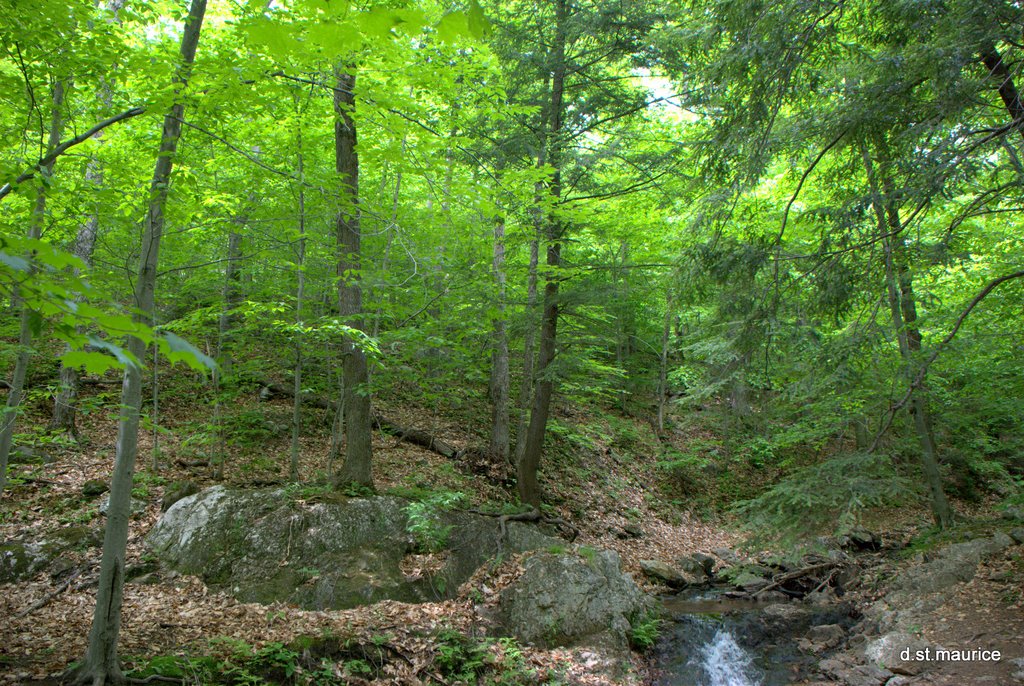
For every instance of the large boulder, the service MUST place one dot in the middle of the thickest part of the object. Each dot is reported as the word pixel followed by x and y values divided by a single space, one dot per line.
pixel 569 599
pixel 262 546
pixel 954 564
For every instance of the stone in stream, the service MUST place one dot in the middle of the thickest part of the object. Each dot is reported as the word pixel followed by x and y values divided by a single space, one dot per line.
pixel 672 576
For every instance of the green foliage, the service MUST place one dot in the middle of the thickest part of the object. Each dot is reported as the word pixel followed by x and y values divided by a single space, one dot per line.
pixel 491 662
pixel 425 520
pixel 644 631
pixel 831 494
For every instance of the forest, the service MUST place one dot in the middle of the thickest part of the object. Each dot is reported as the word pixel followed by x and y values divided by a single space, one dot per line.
pixel 505 342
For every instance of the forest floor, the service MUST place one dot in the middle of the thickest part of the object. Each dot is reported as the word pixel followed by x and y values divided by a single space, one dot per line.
pixel 603 486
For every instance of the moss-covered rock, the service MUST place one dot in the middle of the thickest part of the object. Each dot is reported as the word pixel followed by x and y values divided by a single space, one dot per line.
pixel 20 561
pixel 263 547
pixel 565 600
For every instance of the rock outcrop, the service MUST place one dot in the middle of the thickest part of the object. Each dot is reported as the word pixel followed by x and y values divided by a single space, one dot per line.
pixel 569 599
pixel 262 546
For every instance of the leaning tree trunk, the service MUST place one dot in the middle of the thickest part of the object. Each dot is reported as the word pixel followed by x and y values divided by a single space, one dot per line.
pixel 499 385
pixel 529 463
pixel 357 465
pixel 904 318
pixel 101 663
pixel 17 385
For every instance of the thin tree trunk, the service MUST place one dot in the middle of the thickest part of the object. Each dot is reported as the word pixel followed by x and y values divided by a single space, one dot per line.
pixel 357 466
pixel 904 318
pixel 666 337
pixel 392 227
pixel 622 326
pixel 528 485
pixel 300 267
pixel 499 385
pixel 232 298
pixel 529 335
pixel 17 385
pixel 101 664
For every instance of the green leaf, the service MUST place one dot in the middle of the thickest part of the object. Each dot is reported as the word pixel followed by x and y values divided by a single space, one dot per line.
pixel 479 26
pixel 452 26
pixel 178 349
pixel 18 264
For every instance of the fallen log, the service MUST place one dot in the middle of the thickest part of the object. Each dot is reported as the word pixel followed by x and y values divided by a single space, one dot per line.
pixel 795 574
pixel 407 434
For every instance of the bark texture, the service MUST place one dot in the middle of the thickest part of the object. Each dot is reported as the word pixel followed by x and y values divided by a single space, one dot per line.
pixel 356 468
pixel 529 463
pixel 17 385
pixel 101 665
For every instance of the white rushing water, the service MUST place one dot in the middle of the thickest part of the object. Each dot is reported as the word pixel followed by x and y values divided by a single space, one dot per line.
pixel 725 663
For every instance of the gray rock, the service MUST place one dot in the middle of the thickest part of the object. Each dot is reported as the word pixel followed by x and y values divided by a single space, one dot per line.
pixel 900 653
pixel 24 454
pixel 697 565
pixel 675 578
pixel 1018 534
pixel 1018 674
pixel 632 531
pixel 94 487
pixel 706 562
pixel 750 582
pixel 850 673
pixel 828 635
pixel 1013 514
pixel 567 600
pixel 861 539
pixel 20 561
pixel 727 556
pixel 784 617
pixel 262 547
pixel 953 564
pixel 135 508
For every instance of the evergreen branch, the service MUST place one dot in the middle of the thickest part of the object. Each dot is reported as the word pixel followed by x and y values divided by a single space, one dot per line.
pixel 803 178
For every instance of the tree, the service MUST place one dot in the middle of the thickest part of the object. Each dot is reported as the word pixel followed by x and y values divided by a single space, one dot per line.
pixel 357 466
pixel 101 665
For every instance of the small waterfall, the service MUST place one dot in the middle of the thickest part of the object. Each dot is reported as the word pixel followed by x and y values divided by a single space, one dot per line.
pixel 722 662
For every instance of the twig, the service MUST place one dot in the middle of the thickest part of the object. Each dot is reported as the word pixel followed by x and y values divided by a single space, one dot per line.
pixel 45 600
pixel 793 575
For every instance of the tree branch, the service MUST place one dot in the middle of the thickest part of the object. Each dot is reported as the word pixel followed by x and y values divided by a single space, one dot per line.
pixel 919 377
pixel 63 147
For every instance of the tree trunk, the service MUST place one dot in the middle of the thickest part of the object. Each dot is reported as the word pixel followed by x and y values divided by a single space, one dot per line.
pixel 1008 93
pixel 666 337
pixel 356 468
pixel 903 309
pixel 17 385
pixel 299 293
pixel 101 663
pixel 529 341
pixel 528 485
pixel 499 385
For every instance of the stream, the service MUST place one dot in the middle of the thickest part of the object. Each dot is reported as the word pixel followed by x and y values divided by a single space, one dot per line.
pixel 717 641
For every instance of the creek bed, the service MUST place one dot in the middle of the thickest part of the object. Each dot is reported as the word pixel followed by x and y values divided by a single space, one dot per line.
pixel 711 640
